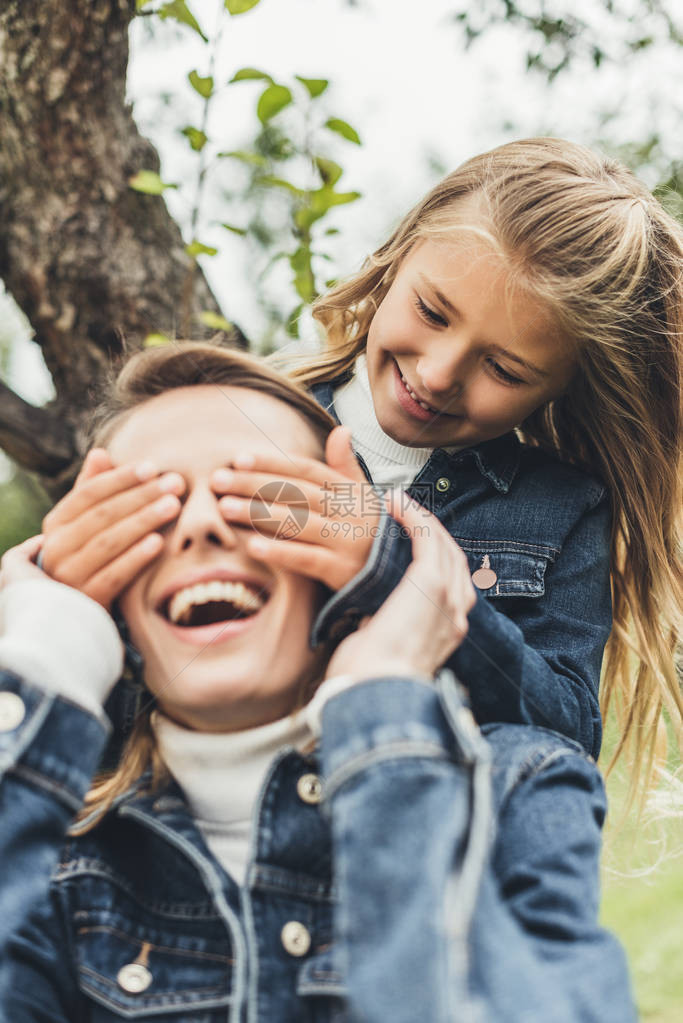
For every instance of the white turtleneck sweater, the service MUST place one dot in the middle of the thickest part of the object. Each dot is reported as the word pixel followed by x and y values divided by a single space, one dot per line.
pixel 391 464
pixel 221 776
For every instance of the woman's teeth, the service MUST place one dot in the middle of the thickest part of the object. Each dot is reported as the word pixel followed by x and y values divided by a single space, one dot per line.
pixel 415 398
pixel 235 593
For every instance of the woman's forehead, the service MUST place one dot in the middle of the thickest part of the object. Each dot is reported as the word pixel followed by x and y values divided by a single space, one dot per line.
pixel 207 425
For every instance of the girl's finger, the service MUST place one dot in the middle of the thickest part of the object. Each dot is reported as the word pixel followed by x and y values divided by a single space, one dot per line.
pixel 105 586
pixel 96 461
pixel 297 469
pixel 303 558
pixel 160 496
pixel 282 521
pixel 339 454
pixel 103 486
pixel 297 493
pixel 18 562
pixel 107 545
pixel 26 551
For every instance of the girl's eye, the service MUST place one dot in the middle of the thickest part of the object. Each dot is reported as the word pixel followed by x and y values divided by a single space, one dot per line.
pixel 502 374
pixel 429 314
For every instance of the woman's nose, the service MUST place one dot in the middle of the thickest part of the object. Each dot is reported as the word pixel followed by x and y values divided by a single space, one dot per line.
pixel 201 524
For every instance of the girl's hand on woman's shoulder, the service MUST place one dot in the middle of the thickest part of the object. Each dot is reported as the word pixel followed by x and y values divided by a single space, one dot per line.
pixel 425 618
pixel 315 518
pixel 102 533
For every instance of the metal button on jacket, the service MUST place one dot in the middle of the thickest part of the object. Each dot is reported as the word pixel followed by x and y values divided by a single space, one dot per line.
pixel 295 938
pixel 134 978
pixel 12 711
pixel 442 484
pixel 309 788
pixel 484 578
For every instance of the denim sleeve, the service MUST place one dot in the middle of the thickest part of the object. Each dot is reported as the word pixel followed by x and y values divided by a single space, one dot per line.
pixel 539 663
pixel 398 779
pixel 49 749
pixel 549 805
pixel 389 557
pixel 436 920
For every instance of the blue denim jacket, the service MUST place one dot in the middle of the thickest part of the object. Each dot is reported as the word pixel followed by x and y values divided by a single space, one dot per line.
pixel 536 637
pixel 390 900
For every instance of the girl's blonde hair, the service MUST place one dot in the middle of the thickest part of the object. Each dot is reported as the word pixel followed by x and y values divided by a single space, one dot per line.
pixel 144 376
pixel 581 234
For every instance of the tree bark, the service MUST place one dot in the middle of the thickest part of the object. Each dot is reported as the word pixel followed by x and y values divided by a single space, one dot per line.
pixel 88 259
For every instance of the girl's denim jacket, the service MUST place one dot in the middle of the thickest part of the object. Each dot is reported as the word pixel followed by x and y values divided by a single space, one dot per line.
pixel 537 635
pixel 390 900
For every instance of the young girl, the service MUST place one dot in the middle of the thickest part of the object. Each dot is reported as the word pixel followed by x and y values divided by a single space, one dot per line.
pixel 262 853
pixel 511 356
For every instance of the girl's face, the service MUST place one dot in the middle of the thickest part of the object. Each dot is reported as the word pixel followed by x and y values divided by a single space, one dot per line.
pixel 447 336
pixel 224 638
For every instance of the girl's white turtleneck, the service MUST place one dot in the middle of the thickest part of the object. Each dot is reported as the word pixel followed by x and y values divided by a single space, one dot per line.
pixel 221 776
pixel 391 464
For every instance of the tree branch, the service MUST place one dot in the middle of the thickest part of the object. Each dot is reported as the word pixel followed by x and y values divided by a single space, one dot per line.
pixel 36 438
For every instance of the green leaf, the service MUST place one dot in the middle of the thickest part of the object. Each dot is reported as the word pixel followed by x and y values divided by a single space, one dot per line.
pixel 300 262
pixel 154 340
pixel 240 6
pixel 292 324
pixel 215 321
pixel 196 248
pixel 268 180
pixel 179 11
pixel 332 230
pixel 250 74
pixel 344 129
pixel 149 182
pixel 342 198
pixel 315 86
pixel 195 137
pixel 254 159
pixel 204 86
pixel 330 172
pixel 319 203
pixel 139 4
pixel 272 100
pixel 235 230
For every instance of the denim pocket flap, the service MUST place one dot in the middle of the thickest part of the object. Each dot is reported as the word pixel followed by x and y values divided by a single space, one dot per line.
pixel 320 975
pixel 135 975
pixel 507 570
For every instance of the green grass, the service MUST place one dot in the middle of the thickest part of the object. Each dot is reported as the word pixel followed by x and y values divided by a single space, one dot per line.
pixel 643 905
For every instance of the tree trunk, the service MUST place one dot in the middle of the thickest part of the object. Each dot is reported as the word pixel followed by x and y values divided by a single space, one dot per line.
pixel 87 259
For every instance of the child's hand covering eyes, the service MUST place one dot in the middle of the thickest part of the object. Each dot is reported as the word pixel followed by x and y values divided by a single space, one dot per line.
pixel 101 534
pixel 424 620
pixel 313 518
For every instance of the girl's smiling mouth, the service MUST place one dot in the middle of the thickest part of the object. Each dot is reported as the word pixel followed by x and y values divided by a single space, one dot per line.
pixel 411 403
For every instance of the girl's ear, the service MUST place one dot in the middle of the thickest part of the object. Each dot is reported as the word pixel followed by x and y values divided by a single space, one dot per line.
pixel 339 454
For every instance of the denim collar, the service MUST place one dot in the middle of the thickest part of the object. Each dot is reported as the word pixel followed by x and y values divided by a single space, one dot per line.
pixel 497 460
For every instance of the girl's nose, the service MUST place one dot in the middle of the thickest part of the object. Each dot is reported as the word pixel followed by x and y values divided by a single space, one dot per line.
pixel 200 523
pixel 442 370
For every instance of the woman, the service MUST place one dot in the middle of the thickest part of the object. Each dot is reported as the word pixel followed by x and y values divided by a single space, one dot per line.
pixel 207 878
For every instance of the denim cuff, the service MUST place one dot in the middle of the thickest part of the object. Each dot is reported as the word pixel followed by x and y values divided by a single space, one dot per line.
pixel 389 557
pixel 47 741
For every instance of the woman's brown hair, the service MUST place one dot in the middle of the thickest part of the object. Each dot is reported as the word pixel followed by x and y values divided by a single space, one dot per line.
pixel 143 376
